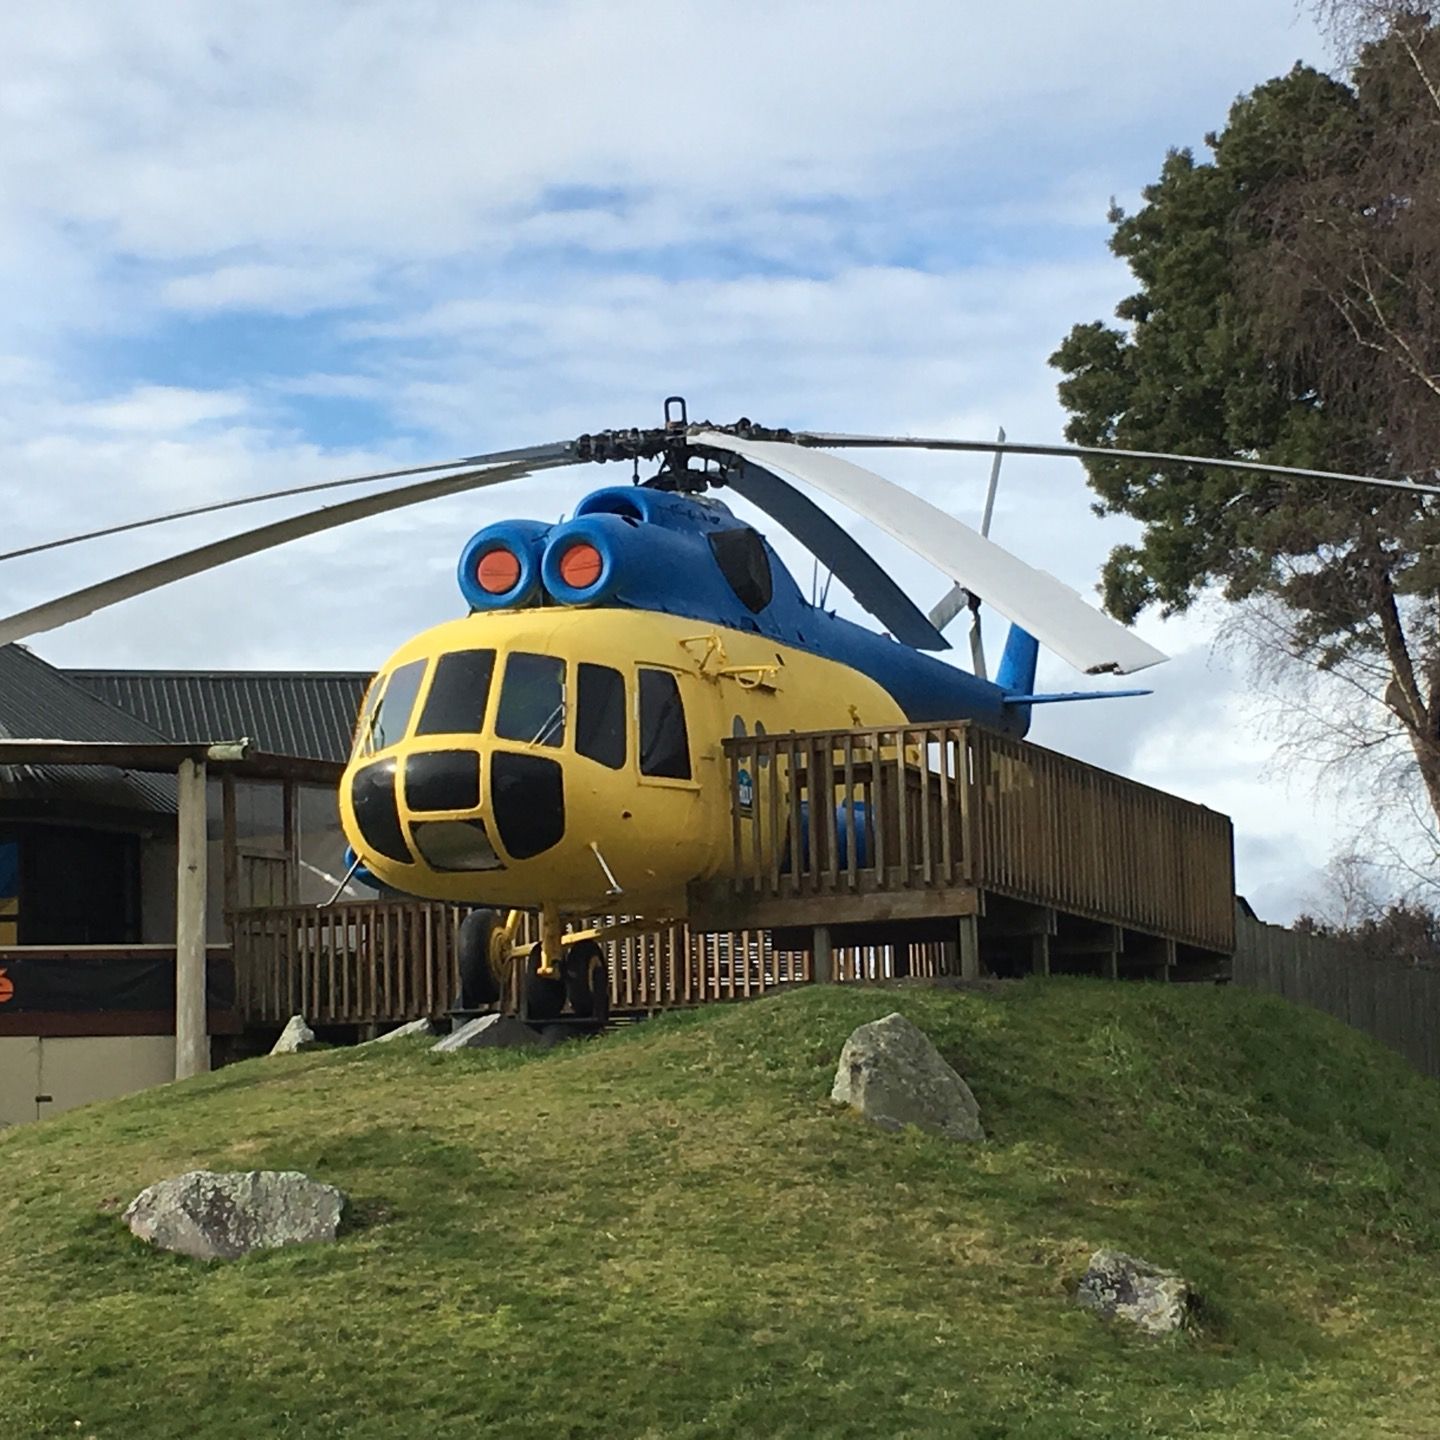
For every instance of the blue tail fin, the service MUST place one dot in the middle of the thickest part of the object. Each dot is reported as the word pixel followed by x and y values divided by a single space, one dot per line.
pixel 1016 675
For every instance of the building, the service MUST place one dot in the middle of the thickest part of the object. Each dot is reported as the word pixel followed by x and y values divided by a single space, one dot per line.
pixel 89 854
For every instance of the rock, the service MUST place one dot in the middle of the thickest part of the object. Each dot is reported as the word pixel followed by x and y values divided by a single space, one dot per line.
pixel 421 1029
pixel 893 1075
pixel 214 1215
pixel 295 1037
pixel 1124 1287
pixel 503 1031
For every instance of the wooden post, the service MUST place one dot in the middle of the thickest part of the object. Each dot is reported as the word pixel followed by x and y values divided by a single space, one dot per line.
pixel 192 1043
pixel 1040 953
pixel 230 846
pixel 289 828
pixel 823 971
pixel 969 928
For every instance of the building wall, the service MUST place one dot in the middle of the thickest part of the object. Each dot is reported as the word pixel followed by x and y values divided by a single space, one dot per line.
pixel 260 837
pixel 77 1071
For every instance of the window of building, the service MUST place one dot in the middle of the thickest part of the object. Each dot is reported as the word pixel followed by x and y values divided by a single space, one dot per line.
pixel 458 694
pixel 600 715
pixel 664 742
pixel 9 892
pixel 392 715
pixel 532 700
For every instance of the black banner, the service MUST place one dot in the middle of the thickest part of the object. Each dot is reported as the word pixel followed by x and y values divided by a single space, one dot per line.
pixel 87 985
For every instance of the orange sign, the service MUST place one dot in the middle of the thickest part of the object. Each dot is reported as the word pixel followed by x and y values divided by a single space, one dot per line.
pixel 7 988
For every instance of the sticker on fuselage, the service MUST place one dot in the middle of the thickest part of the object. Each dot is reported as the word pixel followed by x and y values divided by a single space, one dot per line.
pixel 745 793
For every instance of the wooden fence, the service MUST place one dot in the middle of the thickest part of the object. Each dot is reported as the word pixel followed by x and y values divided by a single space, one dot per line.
pixel 1398 1004
pixel 830 815
pixel 384 962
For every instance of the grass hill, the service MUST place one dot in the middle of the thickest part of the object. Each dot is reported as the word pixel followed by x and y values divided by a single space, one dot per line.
pixel 668 1232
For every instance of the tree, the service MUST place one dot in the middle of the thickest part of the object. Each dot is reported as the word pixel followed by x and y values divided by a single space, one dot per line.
pixel 1287 310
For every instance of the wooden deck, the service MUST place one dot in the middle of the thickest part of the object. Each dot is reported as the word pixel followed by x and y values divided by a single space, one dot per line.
pixel 862 854
pixel 851 830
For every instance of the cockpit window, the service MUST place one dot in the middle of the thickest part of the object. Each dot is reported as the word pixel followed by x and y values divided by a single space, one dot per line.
pixel 368 707
pixel 745 564
pixel 390 717
pixel 532 700
pixel 458 694
pixel 600 715
pixel 664 743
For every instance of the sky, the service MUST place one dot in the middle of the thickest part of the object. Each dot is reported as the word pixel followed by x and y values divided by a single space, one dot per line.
pixel 250 244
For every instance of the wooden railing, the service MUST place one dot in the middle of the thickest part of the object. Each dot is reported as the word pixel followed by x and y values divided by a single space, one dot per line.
pixel 383 962
pixel 367 963
pixel 940 807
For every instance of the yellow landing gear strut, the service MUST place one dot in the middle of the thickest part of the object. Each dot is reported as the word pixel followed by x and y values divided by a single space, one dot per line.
pixel 565 969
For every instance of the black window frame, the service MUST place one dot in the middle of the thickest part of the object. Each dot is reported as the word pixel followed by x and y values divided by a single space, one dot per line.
pixel 589 741
pixel 648 729
pixel 548 729
pixel 377 717
pixel 453 660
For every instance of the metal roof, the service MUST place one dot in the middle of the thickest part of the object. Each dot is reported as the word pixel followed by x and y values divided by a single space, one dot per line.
pixel 39 702
pixel 306 714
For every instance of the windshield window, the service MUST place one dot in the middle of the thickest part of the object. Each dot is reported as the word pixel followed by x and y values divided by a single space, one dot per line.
pixel 391 716
pixel 532 700
pixel 367 716
pixel 458 694
pixel 600 715
pixel 664 744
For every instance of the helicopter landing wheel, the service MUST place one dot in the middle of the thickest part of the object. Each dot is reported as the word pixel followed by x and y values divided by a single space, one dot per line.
pixel 587 981
pixel 544 995
pixel 479 984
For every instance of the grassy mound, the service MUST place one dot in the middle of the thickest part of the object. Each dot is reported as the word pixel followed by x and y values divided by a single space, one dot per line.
pixel 669 1232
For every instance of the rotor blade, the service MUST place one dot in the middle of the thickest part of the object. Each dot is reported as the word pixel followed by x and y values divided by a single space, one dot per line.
pixel 250 542
pixel 500 457
pixel 1052 612
pixel 809 438
pixel 866 580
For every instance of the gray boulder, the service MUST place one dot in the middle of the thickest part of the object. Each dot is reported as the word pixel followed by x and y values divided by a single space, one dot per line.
pixel 893 1075
pixel 295 1037
pixel 421 1029
pixel 1124 1287
pixel 502 1031
pixel 214 1215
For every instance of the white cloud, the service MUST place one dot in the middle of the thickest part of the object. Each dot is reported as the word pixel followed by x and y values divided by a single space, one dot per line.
pixel 293 289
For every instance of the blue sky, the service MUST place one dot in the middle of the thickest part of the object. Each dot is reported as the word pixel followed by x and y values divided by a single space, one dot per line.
pixel 253 244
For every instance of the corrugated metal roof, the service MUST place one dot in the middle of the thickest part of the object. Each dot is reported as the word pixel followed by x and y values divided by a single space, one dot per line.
pixel 310 714
pixel 39 702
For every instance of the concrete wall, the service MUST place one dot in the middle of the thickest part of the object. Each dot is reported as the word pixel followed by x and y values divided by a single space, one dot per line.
pixel 77 1071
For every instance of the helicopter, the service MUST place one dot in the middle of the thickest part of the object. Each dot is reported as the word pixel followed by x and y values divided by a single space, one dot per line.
pixel 558 748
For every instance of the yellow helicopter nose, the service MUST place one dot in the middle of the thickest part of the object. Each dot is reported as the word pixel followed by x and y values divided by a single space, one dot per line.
pixel 500 760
